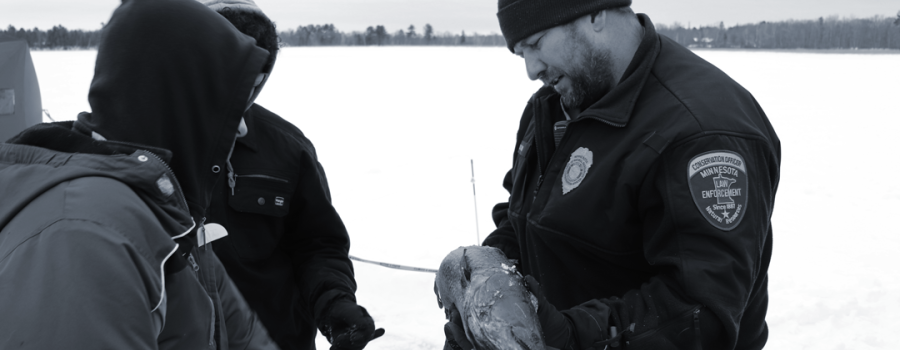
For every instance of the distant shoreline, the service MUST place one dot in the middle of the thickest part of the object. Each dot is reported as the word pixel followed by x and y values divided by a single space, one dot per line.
pixel 814 51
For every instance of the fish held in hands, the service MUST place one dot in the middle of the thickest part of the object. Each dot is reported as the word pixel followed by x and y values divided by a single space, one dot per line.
pixel 497 311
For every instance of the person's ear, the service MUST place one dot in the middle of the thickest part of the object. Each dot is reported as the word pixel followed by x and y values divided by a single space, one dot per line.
pixel 259 79
pixel 598 21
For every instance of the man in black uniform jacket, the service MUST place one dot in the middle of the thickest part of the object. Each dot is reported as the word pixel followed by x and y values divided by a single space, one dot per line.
pixel 286 247
pixel 642 186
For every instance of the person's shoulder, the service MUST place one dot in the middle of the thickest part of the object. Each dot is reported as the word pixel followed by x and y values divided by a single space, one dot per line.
pixel 704 95
pixel 273 128
pixel 685 73
pixel 102 209
pixel 112 203
pixel 101 195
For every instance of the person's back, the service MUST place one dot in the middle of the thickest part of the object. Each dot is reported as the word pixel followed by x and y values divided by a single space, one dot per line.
pixel 62 250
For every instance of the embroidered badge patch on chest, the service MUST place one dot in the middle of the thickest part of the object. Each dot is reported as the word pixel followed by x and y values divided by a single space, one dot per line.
pixel 577 169
pixel 718 183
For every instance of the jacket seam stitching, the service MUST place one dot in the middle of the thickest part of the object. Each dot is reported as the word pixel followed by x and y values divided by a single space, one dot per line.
pixel 32 235
pixel 675 225
pixel 677 98
pixel 133 244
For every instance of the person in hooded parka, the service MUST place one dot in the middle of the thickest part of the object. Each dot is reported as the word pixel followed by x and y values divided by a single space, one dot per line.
pixel 20 95
pixel 102 238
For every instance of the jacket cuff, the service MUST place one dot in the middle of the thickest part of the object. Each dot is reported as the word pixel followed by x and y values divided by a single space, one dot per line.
pixel 326 300
pixel 590 321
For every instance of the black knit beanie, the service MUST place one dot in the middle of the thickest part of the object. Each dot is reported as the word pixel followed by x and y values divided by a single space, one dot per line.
pixel 520 19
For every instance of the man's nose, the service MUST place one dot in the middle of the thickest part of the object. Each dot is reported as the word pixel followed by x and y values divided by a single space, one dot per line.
pixel 534 66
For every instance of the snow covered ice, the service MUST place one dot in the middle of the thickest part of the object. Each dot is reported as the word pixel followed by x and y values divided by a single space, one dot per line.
pixel 395 128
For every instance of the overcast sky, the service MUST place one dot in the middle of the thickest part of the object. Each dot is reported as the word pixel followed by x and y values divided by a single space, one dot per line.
pixel 450 15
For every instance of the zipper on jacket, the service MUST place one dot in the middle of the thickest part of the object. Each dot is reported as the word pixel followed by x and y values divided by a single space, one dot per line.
pixel 193 262
pixel 538 186
pixel 201 234
pixel 212 323
pixel 561 142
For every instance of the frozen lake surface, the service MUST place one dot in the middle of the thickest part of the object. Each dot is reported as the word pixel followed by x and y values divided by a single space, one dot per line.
pixel 396 127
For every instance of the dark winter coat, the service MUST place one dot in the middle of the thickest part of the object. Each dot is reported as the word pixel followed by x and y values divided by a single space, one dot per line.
pixel 98 238
pixel 90 235
pixel 286 248
pixel 620 223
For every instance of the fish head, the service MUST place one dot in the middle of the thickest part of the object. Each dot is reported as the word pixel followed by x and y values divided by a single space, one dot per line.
pixel 500 314
pixel 450 282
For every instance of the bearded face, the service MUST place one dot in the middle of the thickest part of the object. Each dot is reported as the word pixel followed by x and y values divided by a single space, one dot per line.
pixel 566 58
pixel 589 70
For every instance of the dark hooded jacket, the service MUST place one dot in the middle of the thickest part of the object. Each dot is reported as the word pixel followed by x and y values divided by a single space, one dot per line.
pixel 98 239
pixel 652 214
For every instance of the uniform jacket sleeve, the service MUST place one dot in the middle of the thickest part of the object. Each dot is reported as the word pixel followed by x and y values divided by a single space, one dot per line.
pixel 317 240
pixel 709 275
pixel 504 237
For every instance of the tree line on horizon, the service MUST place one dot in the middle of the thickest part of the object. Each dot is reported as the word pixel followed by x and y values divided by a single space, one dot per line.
pixel 824 33
pixel 328 35
pixel 876 32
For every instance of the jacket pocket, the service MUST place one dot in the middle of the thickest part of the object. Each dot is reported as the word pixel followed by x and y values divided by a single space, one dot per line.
pixel 261 194
pixel 259 209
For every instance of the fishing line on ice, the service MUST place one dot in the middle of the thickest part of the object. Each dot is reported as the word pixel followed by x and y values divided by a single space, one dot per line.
pixel 419 269
pixel 393 266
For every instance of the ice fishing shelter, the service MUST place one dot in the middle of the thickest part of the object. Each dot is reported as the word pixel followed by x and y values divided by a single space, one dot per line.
pixel 20 96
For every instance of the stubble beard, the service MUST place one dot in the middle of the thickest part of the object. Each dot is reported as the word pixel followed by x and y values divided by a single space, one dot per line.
pixel 591 74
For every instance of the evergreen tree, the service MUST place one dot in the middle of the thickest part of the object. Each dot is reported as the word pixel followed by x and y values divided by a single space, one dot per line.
pixel 429 33
pixel 381 34
pixel 58 37
pixel 371 37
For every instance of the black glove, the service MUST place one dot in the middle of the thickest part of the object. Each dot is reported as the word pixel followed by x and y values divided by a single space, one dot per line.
pixel 456 336
pixel 556 326
pixel 348 326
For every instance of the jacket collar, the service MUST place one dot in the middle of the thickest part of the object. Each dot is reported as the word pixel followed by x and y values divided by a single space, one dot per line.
pixel 616 106
pixel 249 140
pixel 73 155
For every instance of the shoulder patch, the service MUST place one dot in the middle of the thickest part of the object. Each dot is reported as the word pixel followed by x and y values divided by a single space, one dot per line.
pixel 579 163
pixel 718 184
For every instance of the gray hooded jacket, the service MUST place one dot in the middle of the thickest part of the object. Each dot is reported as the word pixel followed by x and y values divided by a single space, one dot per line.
pixel 98 238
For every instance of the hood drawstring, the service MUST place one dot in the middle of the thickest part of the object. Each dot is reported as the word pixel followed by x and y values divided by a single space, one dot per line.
pixel 231 176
